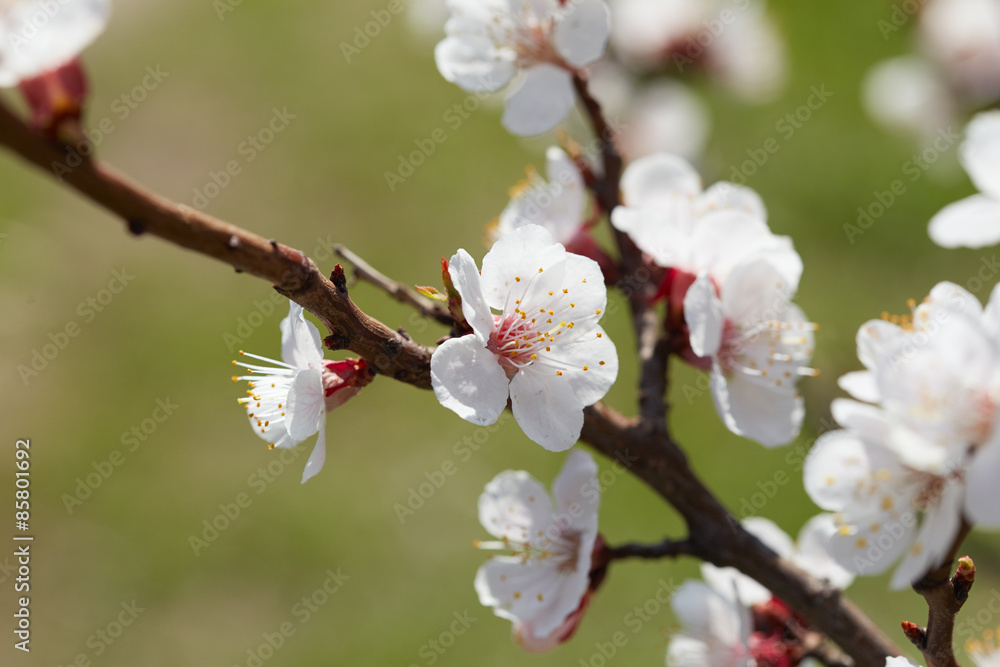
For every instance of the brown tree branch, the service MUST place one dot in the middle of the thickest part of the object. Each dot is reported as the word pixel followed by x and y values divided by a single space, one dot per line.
pixel 402 293
pixel 945 596
pixel 666 549
pixel 650 454
pixel 291 272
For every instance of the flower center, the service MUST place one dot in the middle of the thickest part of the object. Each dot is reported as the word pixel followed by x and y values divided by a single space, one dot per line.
pixel 533 329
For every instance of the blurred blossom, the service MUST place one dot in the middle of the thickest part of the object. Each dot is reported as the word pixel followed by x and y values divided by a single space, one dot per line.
pixel 984 652
pixel 287 401
pixel 963 38
pixel 729 285
pixel 907 94
pixel 559 203
pixel 490 42
pixel 899 662
pixel 716 629
pixel 544 586
pixel 646 32
pixel 923 443
pixel 666 117
pixel 748 58
pixel 735 43
pixel 974 222
pixel 545 349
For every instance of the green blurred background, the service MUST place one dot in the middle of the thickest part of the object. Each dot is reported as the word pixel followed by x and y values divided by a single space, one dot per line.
pixel 321 181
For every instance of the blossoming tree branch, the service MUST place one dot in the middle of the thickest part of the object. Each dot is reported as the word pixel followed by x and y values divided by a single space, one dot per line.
pixel 909 475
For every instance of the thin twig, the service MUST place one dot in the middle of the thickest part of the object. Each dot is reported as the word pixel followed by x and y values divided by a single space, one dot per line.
pixel 666 549
pixel 945 595
pixel 402 293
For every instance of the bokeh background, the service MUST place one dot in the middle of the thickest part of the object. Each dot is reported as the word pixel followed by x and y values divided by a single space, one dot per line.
pixel 164 337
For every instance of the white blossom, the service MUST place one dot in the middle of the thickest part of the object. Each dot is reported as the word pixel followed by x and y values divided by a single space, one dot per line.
pixel 546 579
pixel 558 203
pixel 906 470
pixel 544 349
pixel 490 42
pixel 287 401
pixel 716 629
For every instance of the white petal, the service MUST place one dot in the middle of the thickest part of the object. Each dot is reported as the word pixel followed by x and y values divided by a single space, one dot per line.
pixel 703 315
pixel 546 408
pixel 724 239
pixel 734 586
pixel 772 418
pixel 471 60
pixel 306 404
pixel 708 615
pixel 722 196
pixel 465 275
pixel 468 380
pixel 318 456
pixel 518 255
pixel 982 504
pixel 980 152
pixel 687 652
pixel 973 222
pixel 813 551
pixel 861 385
pixel 301 345
pixel 991 314
pixel 594 351
pixel 515 505
pixel 898 662
pixel 41 36
pixel 770 534
pixel 577 493
pixel 582 33
pixel 662 232
pixel 657 179
pixel 512 587
pixel 756 292
pixel 836 465
pixel 874 337
pixel 940 525
pixel 540 102
pixel 873 542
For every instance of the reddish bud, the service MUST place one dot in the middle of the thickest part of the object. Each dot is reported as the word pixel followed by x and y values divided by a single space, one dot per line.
pixel 343 380
pixel 56 99
pixel 916 634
